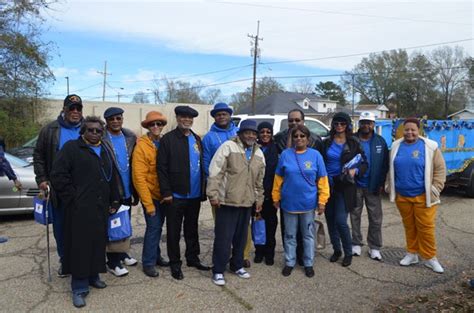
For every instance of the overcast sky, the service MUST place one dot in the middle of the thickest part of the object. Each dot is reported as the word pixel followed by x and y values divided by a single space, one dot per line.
pixel 142 40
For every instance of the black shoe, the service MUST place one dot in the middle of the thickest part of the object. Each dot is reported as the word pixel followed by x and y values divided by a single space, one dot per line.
pixel 99 284
pixel 336 255
pixel 309 271
pixel 78 299
pixel 247 263
pixel 300 262
pixel 150 271
pixel 162 262
pixel 347 260
pixel 258 258
pixel 287 271
pixel 177 273
pixel 199 266
pixel 269 262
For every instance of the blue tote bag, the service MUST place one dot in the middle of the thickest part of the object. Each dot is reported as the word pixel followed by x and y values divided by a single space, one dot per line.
pixel 258 230
pixel 120 226
pixel 42 211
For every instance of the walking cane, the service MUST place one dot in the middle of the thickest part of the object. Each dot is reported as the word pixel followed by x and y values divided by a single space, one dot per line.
pixel 47 195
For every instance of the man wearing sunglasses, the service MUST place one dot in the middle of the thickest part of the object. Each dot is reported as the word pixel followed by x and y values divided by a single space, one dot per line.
pixel 283 140
pixel 122 142
pixel 369 187
pixel 51 140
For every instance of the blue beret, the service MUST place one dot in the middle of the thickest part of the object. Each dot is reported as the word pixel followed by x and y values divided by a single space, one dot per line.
pixel 185 110
pixel 112 111
pixel 248 125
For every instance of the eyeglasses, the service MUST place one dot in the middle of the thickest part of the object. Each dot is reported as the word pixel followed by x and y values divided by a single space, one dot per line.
pixel 294 120
pixel 95 131
pixel 299 136
pixel 75 108
pixel 339 123
pixel 265 132
pixel 115 118
pixel 156 124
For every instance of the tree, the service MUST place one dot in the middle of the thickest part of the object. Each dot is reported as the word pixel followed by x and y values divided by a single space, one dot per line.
pixel 140 97
pixel 451 76
pixel 304 85
pixel 24 60
pixel 179 91
pixel 332 91
pixel 264 87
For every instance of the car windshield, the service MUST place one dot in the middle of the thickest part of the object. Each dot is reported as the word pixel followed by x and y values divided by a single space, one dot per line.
pixel 31 143
pixel 16 162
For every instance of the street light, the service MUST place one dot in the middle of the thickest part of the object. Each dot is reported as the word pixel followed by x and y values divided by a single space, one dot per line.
pixel 118 94
pixel 67 80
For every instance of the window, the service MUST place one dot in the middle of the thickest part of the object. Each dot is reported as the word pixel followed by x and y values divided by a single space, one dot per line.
pixel 316 128
pixel 324 105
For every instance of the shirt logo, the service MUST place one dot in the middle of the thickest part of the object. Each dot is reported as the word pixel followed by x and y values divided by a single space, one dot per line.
pixel 415 154
pixel 308 165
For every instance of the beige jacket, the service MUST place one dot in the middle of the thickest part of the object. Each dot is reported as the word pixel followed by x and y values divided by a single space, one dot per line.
pixel 435 171
pixel 234 180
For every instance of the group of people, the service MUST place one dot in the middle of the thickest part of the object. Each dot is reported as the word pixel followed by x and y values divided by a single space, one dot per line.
pixel 94 167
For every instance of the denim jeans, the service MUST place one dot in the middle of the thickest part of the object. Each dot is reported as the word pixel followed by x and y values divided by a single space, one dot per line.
pixel 151 242
pixel 336 217
pixel 58 231
pixel 81 285
pixel 305 223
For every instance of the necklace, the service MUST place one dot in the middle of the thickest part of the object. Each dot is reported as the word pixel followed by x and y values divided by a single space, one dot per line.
pixel 127 166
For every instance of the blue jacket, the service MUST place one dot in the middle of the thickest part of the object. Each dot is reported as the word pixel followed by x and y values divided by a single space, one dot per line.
pixel 213 140
pixel 5 167
pixel 378 164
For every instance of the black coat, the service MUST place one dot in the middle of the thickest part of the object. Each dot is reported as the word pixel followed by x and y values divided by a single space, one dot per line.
pixel 87 187
pixel 173 165
pixel 271 162
pixel 351 148
pixel 281 139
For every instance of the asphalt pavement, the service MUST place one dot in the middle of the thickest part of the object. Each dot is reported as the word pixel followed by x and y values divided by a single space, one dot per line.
pixel 360 287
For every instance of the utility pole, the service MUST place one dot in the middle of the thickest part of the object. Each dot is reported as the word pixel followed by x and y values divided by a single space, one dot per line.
pixel 105 80
pixel 67 82
pixel 255 53
pixel 118 94
pixel 353 104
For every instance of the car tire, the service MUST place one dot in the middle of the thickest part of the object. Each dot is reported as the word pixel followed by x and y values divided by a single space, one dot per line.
pixel 470 185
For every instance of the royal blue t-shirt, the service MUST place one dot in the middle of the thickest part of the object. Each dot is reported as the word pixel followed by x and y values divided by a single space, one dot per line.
pixel 248 153
pixel 121 153
pixel 364 180
pixel 66 134
pixel 156 143
pixel 333 162
pixel 409 168
pixel 300 172
pixel 96 149
pixel 195 171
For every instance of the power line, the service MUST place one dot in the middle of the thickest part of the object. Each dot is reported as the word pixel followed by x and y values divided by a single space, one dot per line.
pixel 346 14
pixel 365 53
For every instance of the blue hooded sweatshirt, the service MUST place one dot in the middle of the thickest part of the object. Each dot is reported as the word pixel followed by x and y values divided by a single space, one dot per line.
pixel 213 140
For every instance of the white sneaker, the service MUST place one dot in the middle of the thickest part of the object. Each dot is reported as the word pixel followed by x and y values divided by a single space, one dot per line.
pixel 218 279
pixel 375 254
pixel 242 273
pixel 409 259
pixel 434 265
pixel 356 250
pixel 119 271
pixel 130 261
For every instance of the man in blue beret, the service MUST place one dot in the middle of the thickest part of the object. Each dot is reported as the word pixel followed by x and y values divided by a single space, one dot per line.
pixel 121 141
pixel 182 186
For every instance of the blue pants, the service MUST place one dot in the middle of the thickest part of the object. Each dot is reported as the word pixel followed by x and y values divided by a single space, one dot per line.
pixel 58 231
pixel 151 242
pixel 230 230
pixel 304 222
pixel 81 285
pixel 336 217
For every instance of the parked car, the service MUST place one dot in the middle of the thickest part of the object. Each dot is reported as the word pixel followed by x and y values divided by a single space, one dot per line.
pixel 280 122
pixel 25 152
pixel 18 202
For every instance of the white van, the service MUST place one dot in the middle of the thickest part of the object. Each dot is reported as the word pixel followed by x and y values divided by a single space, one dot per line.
pixel 280 122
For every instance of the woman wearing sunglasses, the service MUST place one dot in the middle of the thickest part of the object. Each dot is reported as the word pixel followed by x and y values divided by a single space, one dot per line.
pixel 145 180
pixel 269 213
pixel 300 188
pixel 340 148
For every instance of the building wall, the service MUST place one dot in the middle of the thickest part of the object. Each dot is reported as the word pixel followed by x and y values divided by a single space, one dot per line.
pixel 133 115
pixel 463 116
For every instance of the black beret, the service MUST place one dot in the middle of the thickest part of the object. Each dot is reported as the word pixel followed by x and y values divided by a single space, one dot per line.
pixel 112 111
pixel 265 124
pixel 185 110
pixel 71 100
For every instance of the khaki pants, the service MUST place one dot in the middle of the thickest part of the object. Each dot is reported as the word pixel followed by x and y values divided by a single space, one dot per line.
pixel 248 244
pixel 419 223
